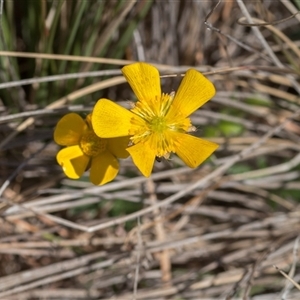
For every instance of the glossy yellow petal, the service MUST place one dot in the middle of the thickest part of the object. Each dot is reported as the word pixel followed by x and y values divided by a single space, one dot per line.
pixel 110 120
pixel 144 80
pixel 117 146
pixel 69 130
pixel 192 150
pixel 104 168
pixel 143 157
pixel 193 92
pixel 73 161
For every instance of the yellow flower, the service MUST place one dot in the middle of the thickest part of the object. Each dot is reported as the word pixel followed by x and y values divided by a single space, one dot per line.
pixel 158 124
pixel 86 150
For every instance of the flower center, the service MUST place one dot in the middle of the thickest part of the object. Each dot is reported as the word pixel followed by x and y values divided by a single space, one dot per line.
pixel 158 124
pixel 155 127
pixel 91 144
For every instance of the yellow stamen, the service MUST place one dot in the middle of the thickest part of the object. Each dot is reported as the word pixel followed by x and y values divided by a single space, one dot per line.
pixel 91 144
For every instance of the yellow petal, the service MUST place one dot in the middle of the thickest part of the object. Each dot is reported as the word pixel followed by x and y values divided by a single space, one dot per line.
pixel 110 120
pixel 193 92
pixel 117 146
pixel 143 157
pixel 144 80
pixel 192 150
pixel 69 130
pixel 104 168
pixel 73 161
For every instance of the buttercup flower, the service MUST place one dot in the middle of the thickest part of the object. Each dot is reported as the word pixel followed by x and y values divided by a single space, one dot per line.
pixel 158 124
pixel 84 149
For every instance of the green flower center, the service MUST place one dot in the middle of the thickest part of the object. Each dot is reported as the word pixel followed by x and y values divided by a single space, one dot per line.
pixel 158 124
pixel 91 144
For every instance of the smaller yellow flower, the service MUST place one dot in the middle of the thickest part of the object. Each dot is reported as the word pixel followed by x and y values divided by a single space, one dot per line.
pixel 84 150
pixel 159 123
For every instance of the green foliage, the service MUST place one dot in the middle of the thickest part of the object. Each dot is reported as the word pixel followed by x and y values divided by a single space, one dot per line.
pixel 259 101
pixel 239 168
pixel 122 207
pixel 297 2
pixel 77 28
pixel 226 128
pixel 229 129
pixel 289 194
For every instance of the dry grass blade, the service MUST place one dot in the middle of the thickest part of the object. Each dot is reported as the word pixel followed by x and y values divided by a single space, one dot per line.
pixel 215 232
pixel 64 101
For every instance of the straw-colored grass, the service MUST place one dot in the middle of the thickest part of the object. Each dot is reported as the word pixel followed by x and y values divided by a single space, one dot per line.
pixel 227 230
